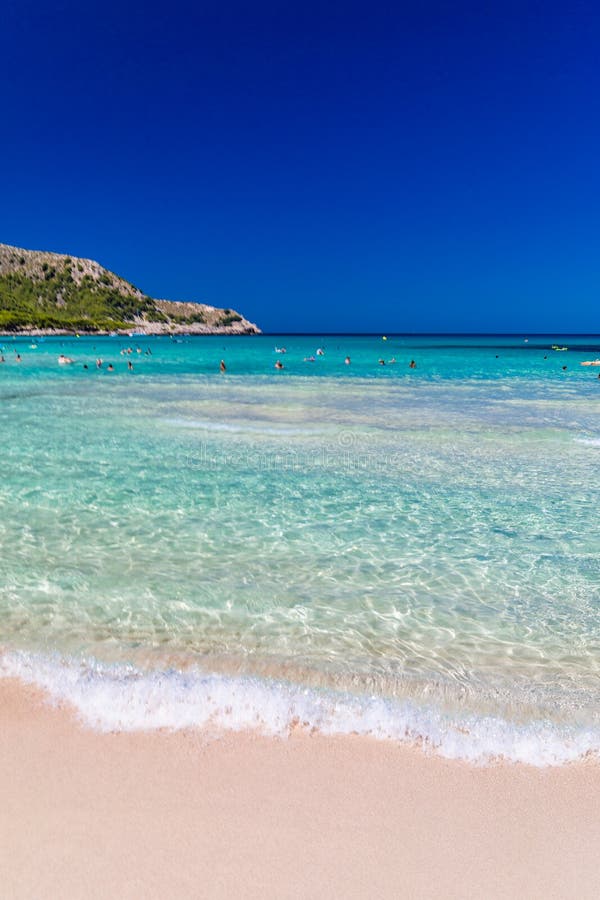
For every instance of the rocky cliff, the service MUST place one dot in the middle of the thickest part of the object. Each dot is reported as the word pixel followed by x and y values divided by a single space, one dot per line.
pixel 54 293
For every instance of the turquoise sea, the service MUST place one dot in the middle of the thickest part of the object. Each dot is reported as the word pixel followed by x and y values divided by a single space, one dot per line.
pixel 407 553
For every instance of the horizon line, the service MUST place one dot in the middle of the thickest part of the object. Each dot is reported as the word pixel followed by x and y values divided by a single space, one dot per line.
pixel 521 334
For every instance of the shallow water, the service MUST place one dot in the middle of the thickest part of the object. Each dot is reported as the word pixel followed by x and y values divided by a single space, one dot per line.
pixel 406 553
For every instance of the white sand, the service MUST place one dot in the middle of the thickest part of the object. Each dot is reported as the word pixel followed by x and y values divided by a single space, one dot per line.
pixel 85 815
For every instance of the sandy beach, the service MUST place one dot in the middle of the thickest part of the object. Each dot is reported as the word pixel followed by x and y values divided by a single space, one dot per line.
pixel 160 814
pixel 299 395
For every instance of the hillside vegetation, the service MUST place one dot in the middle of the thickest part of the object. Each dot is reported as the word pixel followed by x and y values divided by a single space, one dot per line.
pixel 54 292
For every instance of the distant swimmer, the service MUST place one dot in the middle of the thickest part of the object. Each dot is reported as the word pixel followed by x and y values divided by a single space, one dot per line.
pixel 110 367
pixel 309 359
pixel 347 360
pixel 391 361
pixel 279 364
pixel 412 364
pixel 564 368
pixel 64 360
pixel 18 357
pixel 130 365
pixel 222 366
pixel 98 363
pixel 280 350
pixel 382 362
pixel 320 351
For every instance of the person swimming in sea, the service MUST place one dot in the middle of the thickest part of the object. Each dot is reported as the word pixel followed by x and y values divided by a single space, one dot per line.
pixel 347 361
pixel 222 366
pixel 412 364
pixel 279 364
pixel 110 368
pixel 130 365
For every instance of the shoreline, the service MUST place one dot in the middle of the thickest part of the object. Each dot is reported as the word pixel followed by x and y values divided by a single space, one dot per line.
pixel 195 331
pixel 111 698
pixel 129 814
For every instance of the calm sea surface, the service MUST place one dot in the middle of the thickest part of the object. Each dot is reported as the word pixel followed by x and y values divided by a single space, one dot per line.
pixel 408 553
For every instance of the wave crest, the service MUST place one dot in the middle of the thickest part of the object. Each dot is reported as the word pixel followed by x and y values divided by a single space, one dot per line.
pixel 123 698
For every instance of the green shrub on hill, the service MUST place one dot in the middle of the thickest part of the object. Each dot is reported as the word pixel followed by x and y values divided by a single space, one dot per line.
pixel 228 319
pixel 57 302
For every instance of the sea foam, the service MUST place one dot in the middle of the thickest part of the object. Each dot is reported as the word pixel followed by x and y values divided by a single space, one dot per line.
pixel 123 698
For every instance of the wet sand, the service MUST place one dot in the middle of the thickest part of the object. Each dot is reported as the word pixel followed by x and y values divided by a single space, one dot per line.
pixel 88 815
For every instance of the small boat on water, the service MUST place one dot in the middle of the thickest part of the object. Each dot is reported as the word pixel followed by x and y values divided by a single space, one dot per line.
pixel 556 347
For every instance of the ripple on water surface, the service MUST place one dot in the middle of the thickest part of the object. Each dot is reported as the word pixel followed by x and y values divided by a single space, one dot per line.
pixel 408 549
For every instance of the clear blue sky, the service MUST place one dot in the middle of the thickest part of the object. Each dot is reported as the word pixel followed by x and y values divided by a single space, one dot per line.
pixel 319 166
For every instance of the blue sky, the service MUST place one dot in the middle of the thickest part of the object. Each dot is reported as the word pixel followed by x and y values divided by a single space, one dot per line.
pixel 332 166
